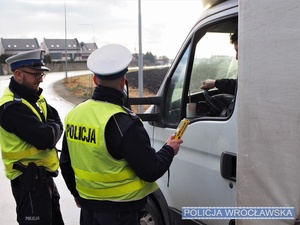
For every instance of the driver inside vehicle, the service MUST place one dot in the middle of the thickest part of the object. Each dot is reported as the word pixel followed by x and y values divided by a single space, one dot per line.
pixel 227 86
pixel 222 105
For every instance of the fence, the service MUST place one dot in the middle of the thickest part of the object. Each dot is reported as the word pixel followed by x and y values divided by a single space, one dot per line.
pixel 54 67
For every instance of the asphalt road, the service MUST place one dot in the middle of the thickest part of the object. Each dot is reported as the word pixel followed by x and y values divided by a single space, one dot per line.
pixel 69 209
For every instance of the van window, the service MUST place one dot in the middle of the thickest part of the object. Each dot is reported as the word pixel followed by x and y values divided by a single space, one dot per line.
pixel 214 59
pixel 175 90
pixel 209 55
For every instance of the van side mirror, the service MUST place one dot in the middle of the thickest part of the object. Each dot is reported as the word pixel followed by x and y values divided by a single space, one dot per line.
pixel 146 101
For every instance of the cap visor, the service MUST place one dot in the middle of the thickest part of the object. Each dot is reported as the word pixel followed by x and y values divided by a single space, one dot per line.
pixel 44 68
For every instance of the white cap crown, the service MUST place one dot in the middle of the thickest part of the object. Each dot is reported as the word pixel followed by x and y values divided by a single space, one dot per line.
pixel 110 61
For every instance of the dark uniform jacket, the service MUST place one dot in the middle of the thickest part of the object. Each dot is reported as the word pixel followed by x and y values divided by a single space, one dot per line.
pixel 227 86
pixel 134 146
pixel 17 118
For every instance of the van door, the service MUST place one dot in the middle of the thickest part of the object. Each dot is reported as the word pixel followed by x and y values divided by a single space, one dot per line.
pixel 203 173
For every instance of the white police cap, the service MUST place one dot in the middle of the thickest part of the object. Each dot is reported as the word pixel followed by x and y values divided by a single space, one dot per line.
pixel 32 59
pixel 110 61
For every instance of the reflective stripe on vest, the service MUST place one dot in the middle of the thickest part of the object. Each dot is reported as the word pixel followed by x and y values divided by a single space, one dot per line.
pixel 51 160
pixel 114 191
pixel 126 173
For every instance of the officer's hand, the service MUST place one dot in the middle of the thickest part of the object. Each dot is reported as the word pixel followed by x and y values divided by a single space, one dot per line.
pixel 77 203
pixel 175 144
pixel 55 121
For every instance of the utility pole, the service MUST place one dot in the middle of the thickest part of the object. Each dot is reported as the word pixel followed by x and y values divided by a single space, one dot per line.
pixel 140 61
pixel 66 51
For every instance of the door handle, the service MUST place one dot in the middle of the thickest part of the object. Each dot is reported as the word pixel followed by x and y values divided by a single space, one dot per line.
pixel 228 165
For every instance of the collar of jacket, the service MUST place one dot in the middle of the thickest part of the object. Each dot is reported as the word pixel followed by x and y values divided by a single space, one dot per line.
pixel 107 94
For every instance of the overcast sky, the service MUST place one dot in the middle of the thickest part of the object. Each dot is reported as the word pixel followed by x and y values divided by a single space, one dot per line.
pixel 165 23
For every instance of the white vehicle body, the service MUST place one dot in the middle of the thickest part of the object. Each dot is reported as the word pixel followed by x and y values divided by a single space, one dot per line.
pixel 248 157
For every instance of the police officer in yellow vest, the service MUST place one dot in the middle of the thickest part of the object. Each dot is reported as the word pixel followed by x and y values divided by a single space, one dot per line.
pixel 29 131
pixel 107 160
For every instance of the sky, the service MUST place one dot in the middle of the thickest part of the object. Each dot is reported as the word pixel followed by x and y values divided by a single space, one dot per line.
pixel 165 23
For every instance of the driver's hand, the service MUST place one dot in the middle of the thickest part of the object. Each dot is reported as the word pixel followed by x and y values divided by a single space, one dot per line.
pixel 208 84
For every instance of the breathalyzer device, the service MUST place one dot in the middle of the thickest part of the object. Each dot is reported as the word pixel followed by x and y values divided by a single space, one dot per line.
pixel 181 128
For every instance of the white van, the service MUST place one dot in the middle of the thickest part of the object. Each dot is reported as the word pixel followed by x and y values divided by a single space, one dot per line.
pixel 259 123
pixel 204 171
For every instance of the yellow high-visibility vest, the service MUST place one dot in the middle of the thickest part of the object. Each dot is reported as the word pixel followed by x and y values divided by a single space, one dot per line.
pixel 98 175
pixel 14 149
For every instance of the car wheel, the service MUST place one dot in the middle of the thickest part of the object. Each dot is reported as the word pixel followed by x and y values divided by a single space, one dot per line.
pixel 151 214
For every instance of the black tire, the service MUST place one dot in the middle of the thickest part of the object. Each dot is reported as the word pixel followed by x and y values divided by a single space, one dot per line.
pixel 151 215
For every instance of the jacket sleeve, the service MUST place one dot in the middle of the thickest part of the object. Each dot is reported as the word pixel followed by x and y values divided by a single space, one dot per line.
pixel 66 168
pixel 20 120
pixel 53 120
pixel 148 164
pixel 131 142
pixel 226 85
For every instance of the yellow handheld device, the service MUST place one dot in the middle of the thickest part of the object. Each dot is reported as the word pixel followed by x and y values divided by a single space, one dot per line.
pixel 181 128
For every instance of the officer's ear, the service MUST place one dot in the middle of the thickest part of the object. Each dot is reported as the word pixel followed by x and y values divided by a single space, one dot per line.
pixel 96 80
pixel 123 82
pixel 17 75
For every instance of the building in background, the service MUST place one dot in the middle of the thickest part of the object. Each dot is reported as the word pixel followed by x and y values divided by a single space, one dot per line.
pixel 55 48
pixel 11 46
pixel 87 49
